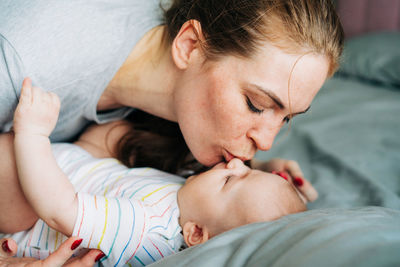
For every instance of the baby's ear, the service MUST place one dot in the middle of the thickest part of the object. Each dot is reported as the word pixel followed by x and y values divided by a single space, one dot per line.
pixel 194 234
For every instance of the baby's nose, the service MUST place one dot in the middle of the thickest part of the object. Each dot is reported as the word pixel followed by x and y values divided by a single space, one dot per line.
pixel 237 165
pixel 234 163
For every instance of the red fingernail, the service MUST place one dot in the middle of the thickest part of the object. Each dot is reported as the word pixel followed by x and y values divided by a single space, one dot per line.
pixel 76 244
pixel 283 175
pixel 298 181
pixel 99 257
pixel 5 247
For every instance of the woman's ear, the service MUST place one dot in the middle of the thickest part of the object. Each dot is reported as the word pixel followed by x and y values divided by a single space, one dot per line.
pixel 186 42
pixel 193 234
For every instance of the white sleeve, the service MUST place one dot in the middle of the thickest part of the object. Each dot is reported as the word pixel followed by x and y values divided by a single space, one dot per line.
pixel 116 226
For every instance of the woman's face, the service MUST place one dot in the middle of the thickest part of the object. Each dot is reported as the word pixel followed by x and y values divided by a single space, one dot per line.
pixel 232 107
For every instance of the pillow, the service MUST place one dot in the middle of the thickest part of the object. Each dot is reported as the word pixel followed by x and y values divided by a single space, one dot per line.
pixel 368 236
pixel 374 57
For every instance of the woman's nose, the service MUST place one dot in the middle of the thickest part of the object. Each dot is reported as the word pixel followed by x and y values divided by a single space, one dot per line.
pixel 263 136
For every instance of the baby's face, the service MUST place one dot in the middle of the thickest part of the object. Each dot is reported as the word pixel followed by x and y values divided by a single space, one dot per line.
pixel 231 194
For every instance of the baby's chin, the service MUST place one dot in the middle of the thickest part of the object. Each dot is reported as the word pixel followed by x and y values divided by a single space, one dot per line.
pixel 284 207
pixel 292 206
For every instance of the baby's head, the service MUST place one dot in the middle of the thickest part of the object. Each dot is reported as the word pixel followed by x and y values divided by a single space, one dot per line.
pixel 230 195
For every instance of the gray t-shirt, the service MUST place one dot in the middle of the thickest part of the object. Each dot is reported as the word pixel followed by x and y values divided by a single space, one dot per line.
pixel 70 47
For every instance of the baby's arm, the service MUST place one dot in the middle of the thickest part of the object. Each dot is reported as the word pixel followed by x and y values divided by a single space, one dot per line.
pixel 44 184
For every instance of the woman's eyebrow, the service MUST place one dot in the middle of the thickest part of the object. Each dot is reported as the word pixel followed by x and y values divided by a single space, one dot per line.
pixel 269 93
pixel 275 98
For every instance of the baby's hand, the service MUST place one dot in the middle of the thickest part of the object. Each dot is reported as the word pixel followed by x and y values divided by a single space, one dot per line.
pixel 37 111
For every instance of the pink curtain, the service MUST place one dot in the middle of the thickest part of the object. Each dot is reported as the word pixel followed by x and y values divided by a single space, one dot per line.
pixel 361 16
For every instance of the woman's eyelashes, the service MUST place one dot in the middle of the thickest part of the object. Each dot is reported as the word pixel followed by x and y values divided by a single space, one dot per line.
pixel 252 108
pixel 287 119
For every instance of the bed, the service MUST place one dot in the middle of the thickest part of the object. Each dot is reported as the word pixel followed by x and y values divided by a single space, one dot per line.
pixel 349 147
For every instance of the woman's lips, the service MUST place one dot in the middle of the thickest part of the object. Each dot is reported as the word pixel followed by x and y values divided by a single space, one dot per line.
pixel 228 156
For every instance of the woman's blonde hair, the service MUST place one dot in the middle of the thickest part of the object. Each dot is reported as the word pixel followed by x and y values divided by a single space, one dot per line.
pixel 239 27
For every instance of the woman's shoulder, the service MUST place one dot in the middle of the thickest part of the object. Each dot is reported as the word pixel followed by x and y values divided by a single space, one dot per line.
pixel 63 41
pixel 73 48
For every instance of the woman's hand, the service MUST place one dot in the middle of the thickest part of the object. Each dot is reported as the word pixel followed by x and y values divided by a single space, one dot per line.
pixel 61 257
pixel 290 170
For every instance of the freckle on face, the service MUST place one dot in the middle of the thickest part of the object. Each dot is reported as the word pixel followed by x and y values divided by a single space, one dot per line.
pixel 215 114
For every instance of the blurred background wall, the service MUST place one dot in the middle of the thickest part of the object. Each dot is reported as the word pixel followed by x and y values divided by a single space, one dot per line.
pixel 362 16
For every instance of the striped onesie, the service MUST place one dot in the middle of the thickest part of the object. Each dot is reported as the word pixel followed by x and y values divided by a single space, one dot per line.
pixel 129 214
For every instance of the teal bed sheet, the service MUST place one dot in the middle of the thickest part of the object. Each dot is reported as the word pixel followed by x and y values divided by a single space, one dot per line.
pixel 348 146
pixel 324 237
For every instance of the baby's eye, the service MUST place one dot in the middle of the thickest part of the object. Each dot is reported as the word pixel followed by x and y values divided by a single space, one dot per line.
pixel 227 178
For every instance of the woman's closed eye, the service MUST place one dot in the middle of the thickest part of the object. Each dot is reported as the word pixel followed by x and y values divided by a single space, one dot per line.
pixel 251 107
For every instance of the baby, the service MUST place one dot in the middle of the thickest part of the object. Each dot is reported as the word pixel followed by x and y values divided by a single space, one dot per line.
pixel 135 216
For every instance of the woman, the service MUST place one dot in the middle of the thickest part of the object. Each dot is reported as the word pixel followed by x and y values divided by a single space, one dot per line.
pixel 230 73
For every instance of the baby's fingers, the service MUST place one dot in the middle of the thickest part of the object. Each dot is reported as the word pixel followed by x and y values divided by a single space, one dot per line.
pixel 302 184
pixel 26 91
pixel 43 101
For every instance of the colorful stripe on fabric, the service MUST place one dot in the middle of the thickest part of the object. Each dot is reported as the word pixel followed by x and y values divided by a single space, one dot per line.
pixel 140 188
pixel 105 224
pixel 55 243
pixel 106 178
pixel 93 169
pixel 40 235
pixel 173 236
pixel 91 236
pixel 148 253
pixel 158 201
pixel 130 237
pixel 162 215
pixel 28 243
pixel 156 247
pixel 164 227
pixel 141 238
pixel 116 234
pixel 158 189
pixel 138 261
pixel 47 237
pixel 83 215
